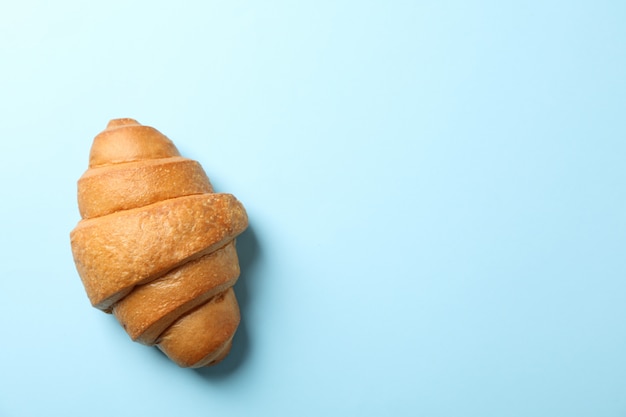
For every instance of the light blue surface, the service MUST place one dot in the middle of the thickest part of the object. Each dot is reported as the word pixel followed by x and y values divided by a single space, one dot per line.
pixel 436 193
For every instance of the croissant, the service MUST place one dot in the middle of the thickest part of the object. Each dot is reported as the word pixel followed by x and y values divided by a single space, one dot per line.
pixel 156 246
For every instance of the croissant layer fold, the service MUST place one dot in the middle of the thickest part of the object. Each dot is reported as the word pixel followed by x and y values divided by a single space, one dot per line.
pixel 112 188
pixel 151 308
pixel 117 252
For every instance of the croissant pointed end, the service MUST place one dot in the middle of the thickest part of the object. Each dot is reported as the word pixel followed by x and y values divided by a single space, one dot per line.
pixel 125 121
pixel 127 140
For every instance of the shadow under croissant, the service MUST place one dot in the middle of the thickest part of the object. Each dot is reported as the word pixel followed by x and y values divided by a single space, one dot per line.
pixel 247 251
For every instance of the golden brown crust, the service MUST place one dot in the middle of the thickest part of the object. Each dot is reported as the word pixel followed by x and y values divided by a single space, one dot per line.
pixel 156 245
pixel 200 337
pixel 117 252
pixel 125 140
pixel 151 308
pixel 112 188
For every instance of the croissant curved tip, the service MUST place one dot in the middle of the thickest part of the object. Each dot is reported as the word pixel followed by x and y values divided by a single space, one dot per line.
pixel 127 140
pixel 124 121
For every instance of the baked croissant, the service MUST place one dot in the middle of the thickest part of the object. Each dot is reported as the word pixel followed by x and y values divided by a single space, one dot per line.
pixel 156 246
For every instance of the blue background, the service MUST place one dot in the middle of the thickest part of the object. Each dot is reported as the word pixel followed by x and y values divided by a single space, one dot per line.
pixel 435 190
